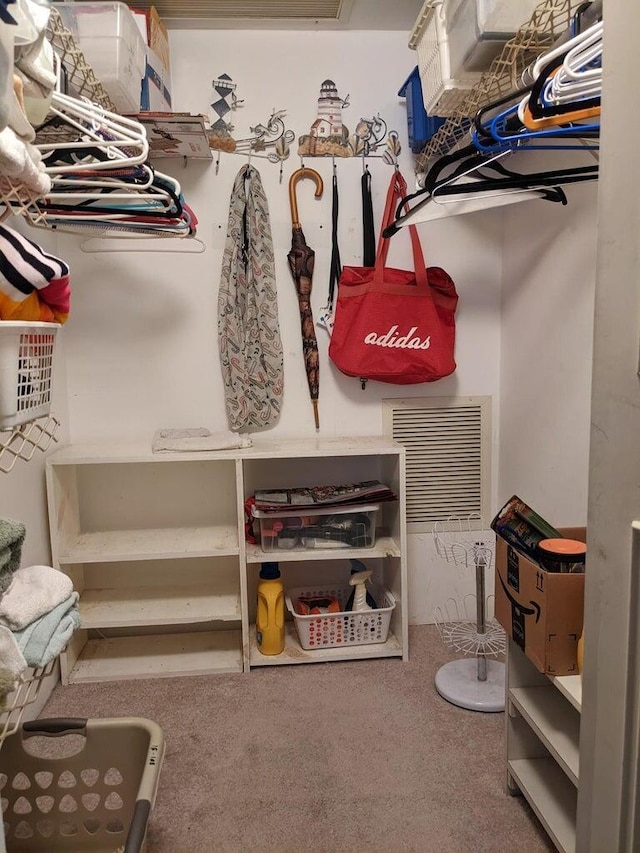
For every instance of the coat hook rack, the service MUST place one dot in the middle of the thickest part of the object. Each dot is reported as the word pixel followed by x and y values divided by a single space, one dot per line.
pixel 330 137
pixel 271 134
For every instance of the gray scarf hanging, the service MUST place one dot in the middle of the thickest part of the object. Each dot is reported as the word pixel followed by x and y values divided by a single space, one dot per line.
pixel 248 329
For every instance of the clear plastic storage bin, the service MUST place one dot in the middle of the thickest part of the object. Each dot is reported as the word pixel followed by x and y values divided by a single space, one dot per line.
pixel 331 630
pixel 86 786
pixel 26 371
pixel 456 41
pixel 329 527
pixel 479 29
pixel 111 41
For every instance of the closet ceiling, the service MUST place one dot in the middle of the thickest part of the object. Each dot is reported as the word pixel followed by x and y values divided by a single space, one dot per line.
pixel 287 14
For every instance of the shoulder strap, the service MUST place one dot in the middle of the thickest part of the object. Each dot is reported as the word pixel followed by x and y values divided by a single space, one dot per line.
pixel 397 191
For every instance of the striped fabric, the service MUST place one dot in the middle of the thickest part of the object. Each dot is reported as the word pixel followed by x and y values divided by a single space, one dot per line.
pixel 34 286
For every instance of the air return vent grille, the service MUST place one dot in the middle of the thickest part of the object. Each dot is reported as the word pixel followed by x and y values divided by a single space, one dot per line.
pixel 331 10
pixel 448 445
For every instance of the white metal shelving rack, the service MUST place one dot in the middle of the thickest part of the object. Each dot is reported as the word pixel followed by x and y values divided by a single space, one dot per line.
pixel 542 738
pixel 155 545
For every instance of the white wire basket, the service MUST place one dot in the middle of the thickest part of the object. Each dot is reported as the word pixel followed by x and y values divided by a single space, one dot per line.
pixel 442 93
pixel 465 541
pixel 26 692
pixel 458 627
pixel 26 371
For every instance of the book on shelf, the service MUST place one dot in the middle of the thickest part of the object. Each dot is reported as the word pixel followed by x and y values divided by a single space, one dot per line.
pixel 309 497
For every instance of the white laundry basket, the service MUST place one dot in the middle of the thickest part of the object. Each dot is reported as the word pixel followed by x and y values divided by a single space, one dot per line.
pixel 26 371
pixel 347 628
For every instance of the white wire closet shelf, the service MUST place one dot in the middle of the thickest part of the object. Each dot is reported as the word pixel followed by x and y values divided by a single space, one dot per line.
pixel 15 197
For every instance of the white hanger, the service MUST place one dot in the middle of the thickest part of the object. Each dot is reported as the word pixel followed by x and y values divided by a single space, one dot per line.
pixel 89 119
pixel 146 243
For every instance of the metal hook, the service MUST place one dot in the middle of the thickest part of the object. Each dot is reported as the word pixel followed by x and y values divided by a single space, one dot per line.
pixel 298 175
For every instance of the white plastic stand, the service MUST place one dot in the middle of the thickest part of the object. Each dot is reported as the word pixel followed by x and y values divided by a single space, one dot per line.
pixel 477 684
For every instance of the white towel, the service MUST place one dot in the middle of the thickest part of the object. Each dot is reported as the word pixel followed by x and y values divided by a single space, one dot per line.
pixel 34 591
pixel 198 438
pixel 12 663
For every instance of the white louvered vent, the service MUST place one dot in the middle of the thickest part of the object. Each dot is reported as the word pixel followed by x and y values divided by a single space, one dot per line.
pixel 448 446
pixel 246 9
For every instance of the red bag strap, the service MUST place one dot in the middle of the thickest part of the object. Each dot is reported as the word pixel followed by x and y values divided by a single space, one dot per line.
pixel 397 191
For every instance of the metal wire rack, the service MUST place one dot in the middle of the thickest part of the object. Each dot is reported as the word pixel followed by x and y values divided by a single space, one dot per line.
pixel 25 694
pixel 464 625
pixel 15 197
pixel 550 20
pixel 22 441
pixel 458 627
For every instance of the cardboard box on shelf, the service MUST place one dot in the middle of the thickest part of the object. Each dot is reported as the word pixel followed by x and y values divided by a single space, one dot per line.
pixel 158 37
pixel 176 135
pixel 156 85
pixel 541 611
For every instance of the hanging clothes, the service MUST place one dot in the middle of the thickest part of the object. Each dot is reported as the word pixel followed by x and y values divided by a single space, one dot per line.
pixel 248 329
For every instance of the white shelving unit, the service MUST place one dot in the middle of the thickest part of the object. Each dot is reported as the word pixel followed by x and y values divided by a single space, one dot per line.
pixel 542 744
pixel 155 545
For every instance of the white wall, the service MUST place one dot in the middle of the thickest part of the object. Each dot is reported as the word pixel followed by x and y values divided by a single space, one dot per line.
pixel 547 348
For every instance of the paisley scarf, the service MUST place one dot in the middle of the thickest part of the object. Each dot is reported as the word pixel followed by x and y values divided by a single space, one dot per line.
pixel 248 328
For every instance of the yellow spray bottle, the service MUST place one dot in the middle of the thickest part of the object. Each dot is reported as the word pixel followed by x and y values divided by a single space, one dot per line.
pixel 270 611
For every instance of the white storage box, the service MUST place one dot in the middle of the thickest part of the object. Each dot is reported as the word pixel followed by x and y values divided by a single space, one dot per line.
pixel 456 41
pixel 328 527
pixel 330 630
pixel 479 29
pixel 110 39
pixel 26 371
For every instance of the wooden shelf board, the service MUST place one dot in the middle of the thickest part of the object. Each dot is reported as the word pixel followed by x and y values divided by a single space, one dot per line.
pixel 158 656
pixel 160 605
pixel 551 796
pixel 571 688
pixel 92 454
pixel 555 723
pixel 151 544
pixel 294 653
pixel 385 547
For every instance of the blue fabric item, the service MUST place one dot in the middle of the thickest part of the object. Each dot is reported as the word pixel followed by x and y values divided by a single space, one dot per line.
pixel 43 640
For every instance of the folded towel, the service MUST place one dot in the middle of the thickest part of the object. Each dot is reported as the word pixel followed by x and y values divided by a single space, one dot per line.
pixel 43 640
pixel 12 663
pixel 198 438
pixel 12 535
pixel 34 591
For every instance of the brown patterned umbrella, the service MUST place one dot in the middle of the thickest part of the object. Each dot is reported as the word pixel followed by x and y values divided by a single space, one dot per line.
pixel 301 260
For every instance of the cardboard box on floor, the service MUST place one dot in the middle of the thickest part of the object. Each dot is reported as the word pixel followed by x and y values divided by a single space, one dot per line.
pixel 541 611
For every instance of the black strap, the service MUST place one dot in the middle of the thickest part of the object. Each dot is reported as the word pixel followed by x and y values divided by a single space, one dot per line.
pixel 368 232
pixel 336 267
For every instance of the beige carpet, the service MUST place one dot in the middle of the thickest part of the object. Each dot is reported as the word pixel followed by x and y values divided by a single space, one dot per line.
pixel 357 757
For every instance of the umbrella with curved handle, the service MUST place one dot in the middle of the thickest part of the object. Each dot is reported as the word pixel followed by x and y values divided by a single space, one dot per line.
pixel 301 261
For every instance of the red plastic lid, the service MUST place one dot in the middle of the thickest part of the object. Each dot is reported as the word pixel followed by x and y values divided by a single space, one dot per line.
pixel 563 547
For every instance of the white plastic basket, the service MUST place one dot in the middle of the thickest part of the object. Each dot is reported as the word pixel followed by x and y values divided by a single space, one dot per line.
pixel 332 630
pixel 442 93
pixel 26 371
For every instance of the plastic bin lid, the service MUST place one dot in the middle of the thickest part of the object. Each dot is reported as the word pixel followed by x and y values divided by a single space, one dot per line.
pixel 291 511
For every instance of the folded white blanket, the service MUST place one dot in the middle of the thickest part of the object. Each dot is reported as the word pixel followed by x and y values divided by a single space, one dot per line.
pixel 198 438
pixel 33 592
